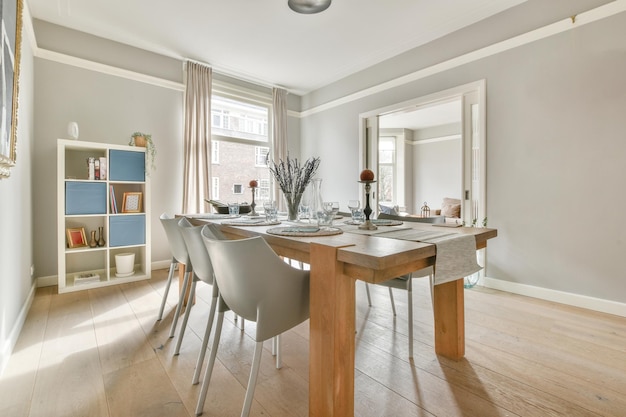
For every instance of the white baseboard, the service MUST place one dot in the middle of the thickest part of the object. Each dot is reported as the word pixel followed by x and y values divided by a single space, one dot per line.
pixel 53 279
pixel 9 343
pixel 576 300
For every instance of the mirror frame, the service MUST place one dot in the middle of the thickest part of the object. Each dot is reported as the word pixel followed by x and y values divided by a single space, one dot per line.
pixel 11 46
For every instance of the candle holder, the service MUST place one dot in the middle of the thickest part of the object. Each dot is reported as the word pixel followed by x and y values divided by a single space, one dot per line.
pixel 368 225
pixel 253 204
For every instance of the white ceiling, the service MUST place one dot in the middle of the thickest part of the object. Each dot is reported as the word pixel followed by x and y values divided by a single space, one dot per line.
pixel 263 40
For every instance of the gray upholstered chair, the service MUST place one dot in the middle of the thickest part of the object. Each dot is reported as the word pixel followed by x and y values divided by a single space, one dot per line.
pixel 179 256
pixel 404 282
pixel 258 286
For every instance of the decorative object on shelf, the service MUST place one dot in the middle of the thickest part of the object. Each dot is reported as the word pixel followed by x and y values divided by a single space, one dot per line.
pixel 86 278
pixel 72 130
pixel 367 178
pixel 124 264
pixel 293 178
pixel 308 6
pixel 144 140
pixel 253 185
pixel 91 168
pixel 93 242
pixel 132 202
pixel 425 211
pixel 101 240
pixel 76 237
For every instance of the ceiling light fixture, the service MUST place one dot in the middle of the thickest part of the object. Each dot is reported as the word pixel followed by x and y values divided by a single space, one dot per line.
pixel 308 6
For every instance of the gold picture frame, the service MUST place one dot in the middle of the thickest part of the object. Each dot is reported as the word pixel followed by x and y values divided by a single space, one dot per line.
pixel 11 42
pixel 132 202
pixel 76 237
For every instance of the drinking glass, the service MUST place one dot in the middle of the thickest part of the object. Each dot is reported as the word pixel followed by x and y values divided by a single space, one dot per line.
pixel 304 212
pixel 356 211
pixel 271 211
pixel 334 206
pixel 358 216
pixel 233 209
pixel 325 215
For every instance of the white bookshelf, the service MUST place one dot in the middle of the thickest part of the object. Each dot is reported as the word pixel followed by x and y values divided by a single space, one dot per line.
pixel 86 204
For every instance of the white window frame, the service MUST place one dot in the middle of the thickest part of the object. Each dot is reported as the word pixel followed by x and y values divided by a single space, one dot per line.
pixel 215 152
pixel 215 188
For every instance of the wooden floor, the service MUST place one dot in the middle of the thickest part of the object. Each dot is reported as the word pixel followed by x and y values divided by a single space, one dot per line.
pixel 102 353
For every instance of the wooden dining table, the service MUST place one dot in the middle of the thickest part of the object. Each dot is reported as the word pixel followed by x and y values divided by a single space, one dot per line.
pixel 336 262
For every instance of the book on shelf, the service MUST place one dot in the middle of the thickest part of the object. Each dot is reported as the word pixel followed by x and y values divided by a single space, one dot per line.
pixel 103 168
pixel 113 202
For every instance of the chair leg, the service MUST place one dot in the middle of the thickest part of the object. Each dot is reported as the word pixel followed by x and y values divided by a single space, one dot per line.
pixel 276 351
pixel 393 305
pixel 167 289
pixel 367 291
pixel 192 294
pixel 210 364
pixel 254 372
pixel 410 302
pixel 205 341
pixel 181 301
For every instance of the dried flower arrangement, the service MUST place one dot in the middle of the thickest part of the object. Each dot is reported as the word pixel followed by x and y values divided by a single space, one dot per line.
pixel 293 178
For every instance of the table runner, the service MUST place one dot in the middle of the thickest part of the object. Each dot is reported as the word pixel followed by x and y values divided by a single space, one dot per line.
pixel 456 252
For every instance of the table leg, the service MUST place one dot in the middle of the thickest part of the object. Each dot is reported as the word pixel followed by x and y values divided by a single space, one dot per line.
pixel 332 325
pixel 449 312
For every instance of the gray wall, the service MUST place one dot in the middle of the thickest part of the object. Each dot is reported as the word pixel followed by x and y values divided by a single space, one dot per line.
pixel 108 109
pixel 555 143
pixel 16 231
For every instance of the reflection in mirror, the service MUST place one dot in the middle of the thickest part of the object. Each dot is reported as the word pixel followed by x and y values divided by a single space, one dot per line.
pixel 420 157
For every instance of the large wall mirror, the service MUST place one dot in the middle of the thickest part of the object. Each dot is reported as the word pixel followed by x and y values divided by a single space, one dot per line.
pixel 429 150
pixel 10 42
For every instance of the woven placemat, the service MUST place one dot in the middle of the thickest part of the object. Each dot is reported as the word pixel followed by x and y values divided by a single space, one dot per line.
pixel 252 222
pixel 302 231
pixel 378 222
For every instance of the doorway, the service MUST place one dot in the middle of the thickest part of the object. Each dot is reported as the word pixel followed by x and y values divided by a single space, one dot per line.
pixel 427 149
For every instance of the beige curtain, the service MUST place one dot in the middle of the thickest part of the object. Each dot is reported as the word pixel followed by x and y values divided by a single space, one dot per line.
pixel 197 139
pixel 279 129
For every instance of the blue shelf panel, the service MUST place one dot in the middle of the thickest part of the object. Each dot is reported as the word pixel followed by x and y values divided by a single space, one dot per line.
pixel 85 198
pixel 127 166
pixel 127 230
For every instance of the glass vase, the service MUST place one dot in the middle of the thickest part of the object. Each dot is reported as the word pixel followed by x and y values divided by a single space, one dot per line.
pixel 293 201
pixel 317 202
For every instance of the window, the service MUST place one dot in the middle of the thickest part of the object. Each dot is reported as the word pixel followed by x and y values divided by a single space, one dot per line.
pixel 240 144
pixel 239 119
pixel 264 190
pixel 261 155
pixel 386 168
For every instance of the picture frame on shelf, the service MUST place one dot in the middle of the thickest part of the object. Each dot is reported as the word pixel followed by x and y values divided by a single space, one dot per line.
pixel 132 202
pixel 76 237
